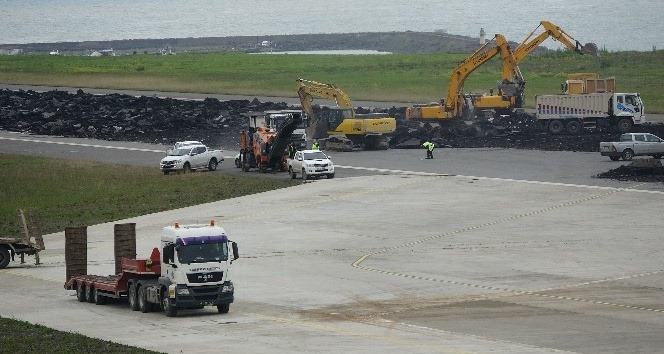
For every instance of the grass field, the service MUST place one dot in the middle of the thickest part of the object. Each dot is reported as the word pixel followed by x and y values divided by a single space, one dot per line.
pixel 395 77
pixel 70 193
pixel 77 193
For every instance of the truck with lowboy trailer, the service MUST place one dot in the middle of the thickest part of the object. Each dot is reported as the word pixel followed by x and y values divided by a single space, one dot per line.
pixel 189 270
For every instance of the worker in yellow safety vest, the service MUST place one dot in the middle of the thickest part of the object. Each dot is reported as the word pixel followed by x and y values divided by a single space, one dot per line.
pixel 314 145
pixel 429 146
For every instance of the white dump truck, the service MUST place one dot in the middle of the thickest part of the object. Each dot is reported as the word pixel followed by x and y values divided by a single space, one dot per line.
pixel 572 113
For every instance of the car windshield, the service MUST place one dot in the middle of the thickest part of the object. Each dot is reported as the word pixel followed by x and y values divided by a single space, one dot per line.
pixel 203 253
pixel 314 155
pixel 180 152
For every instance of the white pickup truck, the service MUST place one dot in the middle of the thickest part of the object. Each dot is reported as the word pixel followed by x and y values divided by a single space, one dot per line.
pixel 310 163
pixel 188 158
pixel 633 144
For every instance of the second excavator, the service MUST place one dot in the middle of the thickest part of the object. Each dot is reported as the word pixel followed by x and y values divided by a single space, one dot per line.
pixel 365 131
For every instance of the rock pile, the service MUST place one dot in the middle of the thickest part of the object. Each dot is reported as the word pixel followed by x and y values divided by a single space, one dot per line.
pixel 124 117
pixel 219 123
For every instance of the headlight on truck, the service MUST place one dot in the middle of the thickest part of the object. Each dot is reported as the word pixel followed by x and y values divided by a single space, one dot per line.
pixel 227 288
pixel 183 291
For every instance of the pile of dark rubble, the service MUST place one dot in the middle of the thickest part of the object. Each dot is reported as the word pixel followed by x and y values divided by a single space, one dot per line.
pixel 124 117
pixel 640 170
pixel 219 123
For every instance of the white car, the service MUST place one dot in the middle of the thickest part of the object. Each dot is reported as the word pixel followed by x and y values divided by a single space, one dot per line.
pixel 310 163
pixel 190 158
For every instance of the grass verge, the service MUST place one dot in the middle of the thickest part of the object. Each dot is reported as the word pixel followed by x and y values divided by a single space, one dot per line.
pixel 23 337
pixel 79 193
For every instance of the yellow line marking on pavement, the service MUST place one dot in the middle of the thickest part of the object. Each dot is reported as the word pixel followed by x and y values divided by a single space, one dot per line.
pixel 358 263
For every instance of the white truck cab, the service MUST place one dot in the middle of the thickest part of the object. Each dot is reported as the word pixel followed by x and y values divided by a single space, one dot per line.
pixel 195 267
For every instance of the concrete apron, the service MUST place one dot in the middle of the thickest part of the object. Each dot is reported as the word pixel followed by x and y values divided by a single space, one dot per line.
pixel 380 264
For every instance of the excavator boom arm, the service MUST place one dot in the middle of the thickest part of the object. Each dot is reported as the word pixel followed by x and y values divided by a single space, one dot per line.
pixel 461 72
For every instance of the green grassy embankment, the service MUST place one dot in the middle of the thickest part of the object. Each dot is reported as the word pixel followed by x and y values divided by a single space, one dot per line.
pixel 74 193
pixel 23 337
pixel 394 77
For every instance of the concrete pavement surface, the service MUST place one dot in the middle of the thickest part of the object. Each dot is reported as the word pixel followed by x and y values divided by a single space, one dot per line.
pixel 402 262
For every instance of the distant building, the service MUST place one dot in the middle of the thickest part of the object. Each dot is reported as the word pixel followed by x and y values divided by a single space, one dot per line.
pixel 101 53
pixel 11 51
pixel 55 52
pixel 266 43
pixel 482 36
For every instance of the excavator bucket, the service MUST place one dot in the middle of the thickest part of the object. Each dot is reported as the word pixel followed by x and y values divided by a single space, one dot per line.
pixel 590 48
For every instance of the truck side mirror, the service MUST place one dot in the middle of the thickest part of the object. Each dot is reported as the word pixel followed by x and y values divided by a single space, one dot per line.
pixel 236 255
pixel 169 254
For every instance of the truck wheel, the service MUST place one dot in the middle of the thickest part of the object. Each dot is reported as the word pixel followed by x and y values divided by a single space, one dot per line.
pixel 292 173
pixel 614 158
pixel 171 311
pixel 224 308
pixel 99 299
pixel 304 175
pixel 166 173
pixel 628 154
pixel 212 166
pixel 90 293
pixel 80 292
pixel 556 127
pixel 131 296
pixel 573 127
pixel 186 168
pixel 143 303
pixel 624 125
pixel 331 175
pixel 4 257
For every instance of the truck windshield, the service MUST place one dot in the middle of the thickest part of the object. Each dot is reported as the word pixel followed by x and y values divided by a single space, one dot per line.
pixel 180 152
pixel 203 253
pixel 314 155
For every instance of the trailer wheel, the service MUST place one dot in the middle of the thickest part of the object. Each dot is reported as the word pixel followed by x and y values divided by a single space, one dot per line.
pixel 143 303
pixel 131 296
pixel 556 127
pixel 4 257
pixel 99 299
pixel 171 311
pixel 223 308
pixel 628 154
pixel 90 293
pixel 624 125
pixel 80 292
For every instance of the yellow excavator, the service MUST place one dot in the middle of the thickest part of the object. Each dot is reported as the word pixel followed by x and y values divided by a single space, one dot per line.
pixel 341 124
pixel 455 105
pixel 511 88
